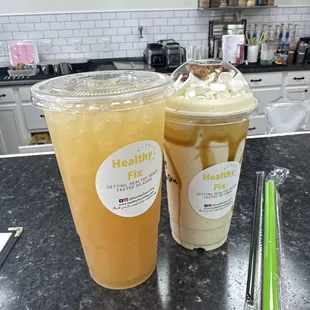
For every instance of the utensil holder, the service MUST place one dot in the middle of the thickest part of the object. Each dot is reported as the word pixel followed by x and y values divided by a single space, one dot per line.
pixel 253 51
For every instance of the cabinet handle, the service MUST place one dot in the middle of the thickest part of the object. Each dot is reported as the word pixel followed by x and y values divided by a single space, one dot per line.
pixel 3 95
pixel 306 90
pixel 298 79
pixel 253 128
pixel 256 80
pixel 42 115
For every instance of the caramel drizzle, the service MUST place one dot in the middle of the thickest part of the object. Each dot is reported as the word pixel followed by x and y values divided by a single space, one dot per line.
pixel 207 160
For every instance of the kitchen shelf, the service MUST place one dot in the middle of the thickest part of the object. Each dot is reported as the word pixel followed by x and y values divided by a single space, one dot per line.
pixel 238 8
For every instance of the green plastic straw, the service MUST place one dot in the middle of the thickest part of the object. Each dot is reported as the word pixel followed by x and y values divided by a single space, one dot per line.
pixel 270 266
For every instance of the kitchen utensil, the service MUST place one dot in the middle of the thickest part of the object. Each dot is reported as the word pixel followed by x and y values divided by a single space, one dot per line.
pixel 65 68
pixel 256 240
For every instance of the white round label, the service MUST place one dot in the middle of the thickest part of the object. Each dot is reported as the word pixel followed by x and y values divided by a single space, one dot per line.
pixel 127 182
pixel 212 192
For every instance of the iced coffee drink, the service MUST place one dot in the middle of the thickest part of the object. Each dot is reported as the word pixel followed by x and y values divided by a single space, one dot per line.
pixel 206 125
pixel 107 130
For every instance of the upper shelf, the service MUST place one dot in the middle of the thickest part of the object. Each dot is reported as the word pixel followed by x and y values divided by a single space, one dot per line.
pixel 238 8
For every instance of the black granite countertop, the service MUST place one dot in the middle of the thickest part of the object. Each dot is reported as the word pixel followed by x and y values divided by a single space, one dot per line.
pixel 108 64
pixel 47 270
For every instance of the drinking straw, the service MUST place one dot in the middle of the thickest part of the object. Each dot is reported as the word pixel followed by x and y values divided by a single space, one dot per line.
pixel 270 262
pixel 255 239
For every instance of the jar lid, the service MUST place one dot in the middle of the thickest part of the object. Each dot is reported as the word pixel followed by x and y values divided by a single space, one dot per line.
pixel 97 88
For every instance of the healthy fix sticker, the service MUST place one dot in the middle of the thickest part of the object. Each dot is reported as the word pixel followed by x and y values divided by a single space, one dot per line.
pixel 128 181
pixel 212 192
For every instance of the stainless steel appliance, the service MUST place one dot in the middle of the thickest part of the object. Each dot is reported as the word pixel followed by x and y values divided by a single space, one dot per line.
pixel 65 68
pixel 154 54
pixel 175 54
pixel 218 28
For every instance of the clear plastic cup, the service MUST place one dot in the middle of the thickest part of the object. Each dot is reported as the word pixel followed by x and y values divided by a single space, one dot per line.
pixel 207 122
pixel 107 130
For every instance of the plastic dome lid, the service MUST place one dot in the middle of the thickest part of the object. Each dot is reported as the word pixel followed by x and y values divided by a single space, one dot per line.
pixel 99 89
pixel 208 88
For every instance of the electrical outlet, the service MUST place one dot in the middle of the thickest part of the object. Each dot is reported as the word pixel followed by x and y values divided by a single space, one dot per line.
pixel 106 45
pixel 47 45
pixel 2 49
pixel 77 45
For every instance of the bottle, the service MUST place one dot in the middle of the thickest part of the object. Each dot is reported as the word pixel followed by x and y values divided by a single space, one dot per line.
pixel 242 3
pixel 251 3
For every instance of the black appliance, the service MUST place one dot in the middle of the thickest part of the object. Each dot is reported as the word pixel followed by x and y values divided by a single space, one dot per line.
pixel 154 54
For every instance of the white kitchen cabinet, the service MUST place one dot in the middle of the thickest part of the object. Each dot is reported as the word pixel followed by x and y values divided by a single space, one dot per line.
pixel 264 79
pixel 6 95
pixel 35 118
pixel 265 96
pixel 257 125
pixel 10 135
pixel 298 78
pixel 296 93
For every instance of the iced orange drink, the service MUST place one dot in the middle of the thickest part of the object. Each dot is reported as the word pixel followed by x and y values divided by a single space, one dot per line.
pixel 207 121
pixel 107 129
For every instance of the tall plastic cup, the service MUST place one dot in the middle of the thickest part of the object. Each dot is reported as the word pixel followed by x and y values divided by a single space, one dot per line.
pixel 207 121
pixel 107 129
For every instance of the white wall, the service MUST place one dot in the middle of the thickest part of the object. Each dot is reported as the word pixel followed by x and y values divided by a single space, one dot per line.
pixel 43 6
pixel 48 6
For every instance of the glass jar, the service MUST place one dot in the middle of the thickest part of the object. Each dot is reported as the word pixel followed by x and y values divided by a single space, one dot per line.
pixel 242 3
pixel 223 4
pixel 215 3
pixel 267 53
pixel 204 4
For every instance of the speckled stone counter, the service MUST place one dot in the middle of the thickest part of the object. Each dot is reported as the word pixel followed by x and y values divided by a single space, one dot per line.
pixel 47 270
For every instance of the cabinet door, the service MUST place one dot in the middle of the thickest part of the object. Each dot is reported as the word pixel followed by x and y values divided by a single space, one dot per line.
pixel 257 126
pixel 296 93
pixel 265 96
pixel 9 129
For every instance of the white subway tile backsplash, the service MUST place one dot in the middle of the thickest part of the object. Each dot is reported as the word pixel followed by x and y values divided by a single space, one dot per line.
pixel 142 22
pixel 123 15
pixel 118 39
pixel 124 30
pixel 11 27
pixel 166 14
pixel 108 15
pixel 57 26
pixel 168 29
pixel 50 34
pixel 87 24
pixel 188 21
pixel 93 16
pixel 80 33
pixel 152 14
pixel 175 21
pixel 63 17
pixel 109 31
pixel 35 35
pixel 102 23
pixel 160 22
pixel 89 40
pixel 20 35
pixel 117 23
pixel 125 46
pixel 78 17
pixel 25 26
pixel 4 20
pixel 65 33
pixel 16 19
pixel 188 27
pixel 72 25
pixel 42 26
pixel 181 13
pixel 48 18
pixel 137 15
pixel 180 29
pixel 95 32
pixel 60 42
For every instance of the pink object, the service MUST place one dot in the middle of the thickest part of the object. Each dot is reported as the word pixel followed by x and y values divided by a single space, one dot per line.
pixel 240 54
pixel 22 53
